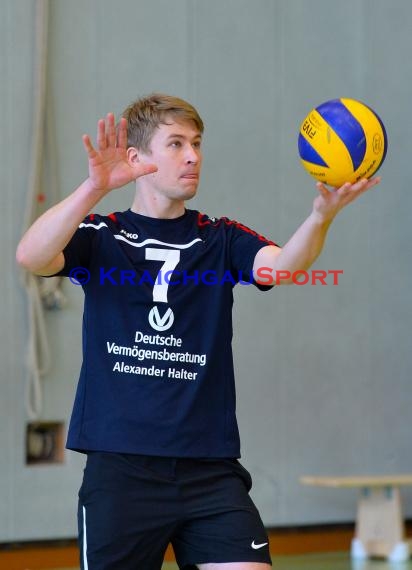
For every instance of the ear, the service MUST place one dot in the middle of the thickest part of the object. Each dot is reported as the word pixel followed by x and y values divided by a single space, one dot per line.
pixel 132 156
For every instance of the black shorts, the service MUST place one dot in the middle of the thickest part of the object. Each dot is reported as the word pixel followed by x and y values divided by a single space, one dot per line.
pixel 131 507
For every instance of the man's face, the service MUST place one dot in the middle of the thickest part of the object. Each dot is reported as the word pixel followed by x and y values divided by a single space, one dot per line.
pixel 175 150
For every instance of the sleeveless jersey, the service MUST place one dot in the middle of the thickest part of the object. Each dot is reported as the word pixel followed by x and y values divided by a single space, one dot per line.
pixel 157 375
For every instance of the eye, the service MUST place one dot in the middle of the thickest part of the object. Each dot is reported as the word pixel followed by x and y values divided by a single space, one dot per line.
pixel 197 144
pixel 176 144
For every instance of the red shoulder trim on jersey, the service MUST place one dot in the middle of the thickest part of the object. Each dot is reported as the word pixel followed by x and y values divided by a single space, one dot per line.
pixel 112 216
pixel 91 217
pixel 204 220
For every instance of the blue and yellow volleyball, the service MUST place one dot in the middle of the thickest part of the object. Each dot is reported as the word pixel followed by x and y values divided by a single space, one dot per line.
pixel 342 140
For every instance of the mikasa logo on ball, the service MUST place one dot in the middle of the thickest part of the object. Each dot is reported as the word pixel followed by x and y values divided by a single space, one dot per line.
pixel 342 140
pixel 377 143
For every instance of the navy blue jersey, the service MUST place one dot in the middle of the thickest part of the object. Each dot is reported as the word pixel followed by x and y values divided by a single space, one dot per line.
pixel 157 374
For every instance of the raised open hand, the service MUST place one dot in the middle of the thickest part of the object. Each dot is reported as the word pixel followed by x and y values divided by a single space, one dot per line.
pixel 108 164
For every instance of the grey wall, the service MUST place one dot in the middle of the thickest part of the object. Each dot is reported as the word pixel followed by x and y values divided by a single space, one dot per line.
pixel 323 373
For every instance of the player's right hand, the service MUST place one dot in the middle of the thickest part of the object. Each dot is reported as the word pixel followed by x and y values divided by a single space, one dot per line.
pixel 109 167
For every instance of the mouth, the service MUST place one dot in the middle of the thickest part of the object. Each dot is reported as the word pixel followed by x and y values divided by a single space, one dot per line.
pixel 190 176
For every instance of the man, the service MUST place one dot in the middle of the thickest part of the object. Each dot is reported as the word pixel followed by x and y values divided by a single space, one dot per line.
pixel 155 405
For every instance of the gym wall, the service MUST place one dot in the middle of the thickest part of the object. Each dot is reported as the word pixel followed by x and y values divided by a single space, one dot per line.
pixel 323 372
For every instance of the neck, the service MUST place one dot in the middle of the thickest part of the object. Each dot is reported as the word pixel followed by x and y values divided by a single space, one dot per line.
pixel 157 206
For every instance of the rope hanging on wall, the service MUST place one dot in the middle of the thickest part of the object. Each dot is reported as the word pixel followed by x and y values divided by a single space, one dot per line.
pixel 42 293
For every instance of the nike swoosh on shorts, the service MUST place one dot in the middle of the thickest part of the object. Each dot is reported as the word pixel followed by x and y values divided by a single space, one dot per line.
pixel 257 546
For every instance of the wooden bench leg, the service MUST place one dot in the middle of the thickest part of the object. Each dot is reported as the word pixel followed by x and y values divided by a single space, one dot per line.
pixel 379 525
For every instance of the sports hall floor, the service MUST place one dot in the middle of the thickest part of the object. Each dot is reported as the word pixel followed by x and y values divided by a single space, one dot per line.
pixel 312 561
pixel 322 548
pixel 330 561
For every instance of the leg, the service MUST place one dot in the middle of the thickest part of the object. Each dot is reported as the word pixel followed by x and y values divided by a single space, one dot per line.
pixel 126 514
pixel 222 528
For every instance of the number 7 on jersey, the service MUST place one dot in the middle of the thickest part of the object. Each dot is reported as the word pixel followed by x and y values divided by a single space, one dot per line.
pixel 171 258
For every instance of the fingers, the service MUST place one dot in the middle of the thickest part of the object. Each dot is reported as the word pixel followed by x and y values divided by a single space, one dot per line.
pixel 89 148
pixel 101 134
pixel 110 130
pixel 122 133
pixel 349 188
pixel 106 132
pixel 107 135
pixel 331 200
pixel 322 189
pixel 361 185
pixel 373 181
pixel 352 191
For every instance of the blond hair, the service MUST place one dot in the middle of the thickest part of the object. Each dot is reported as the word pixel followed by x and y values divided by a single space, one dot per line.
pixel 145 115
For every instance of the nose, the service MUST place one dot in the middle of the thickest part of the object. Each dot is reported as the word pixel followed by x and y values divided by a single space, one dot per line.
pixel 192 155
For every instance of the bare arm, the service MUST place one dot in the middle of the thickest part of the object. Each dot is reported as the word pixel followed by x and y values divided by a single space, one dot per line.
pixel 306 244
pixel 41 248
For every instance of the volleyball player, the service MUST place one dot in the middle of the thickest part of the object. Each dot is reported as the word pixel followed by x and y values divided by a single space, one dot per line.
pixel 155 403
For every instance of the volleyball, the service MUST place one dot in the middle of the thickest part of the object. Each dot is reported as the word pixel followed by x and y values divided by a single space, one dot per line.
pixel 342 140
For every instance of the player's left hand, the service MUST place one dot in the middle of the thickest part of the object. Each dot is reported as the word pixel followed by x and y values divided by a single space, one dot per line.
pixel 329 202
